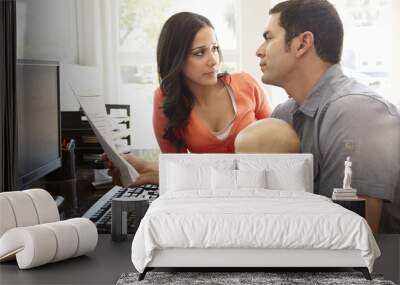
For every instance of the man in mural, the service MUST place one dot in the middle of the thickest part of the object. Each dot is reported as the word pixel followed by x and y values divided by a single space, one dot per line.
pixel 333 115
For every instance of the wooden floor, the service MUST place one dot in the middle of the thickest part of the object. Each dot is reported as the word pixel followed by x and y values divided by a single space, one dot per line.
pixel 111 259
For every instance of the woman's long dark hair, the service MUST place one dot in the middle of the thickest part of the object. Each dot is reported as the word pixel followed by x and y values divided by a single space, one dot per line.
pixel 173 47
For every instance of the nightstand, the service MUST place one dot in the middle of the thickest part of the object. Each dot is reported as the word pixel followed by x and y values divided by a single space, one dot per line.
pixel 355 205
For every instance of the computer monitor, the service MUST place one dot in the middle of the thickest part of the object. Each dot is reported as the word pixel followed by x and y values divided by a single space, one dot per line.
pixel 38 120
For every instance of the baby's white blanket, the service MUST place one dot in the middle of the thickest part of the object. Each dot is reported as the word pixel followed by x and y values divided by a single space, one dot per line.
pixel 252 218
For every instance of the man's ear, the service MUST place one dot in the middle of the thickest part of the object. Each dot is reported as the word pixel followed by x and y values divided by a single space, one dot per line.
pixel 305 43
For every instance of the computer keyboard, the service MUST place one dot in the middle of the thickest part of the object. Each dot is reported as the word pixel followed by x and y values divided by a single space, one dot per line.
pixel 100 212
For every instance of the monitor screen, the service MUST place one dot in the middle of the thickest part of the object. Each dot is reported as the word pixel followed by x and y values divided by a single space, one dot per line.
pixel 38 117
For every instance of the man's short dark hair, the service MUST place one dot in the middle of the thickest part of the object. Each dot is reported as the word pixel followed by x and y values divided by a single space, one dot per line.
pixel 317 16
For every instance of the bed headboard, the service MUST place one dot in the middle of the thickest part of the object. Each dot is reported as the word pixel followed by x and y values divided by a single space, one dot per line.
pixel 211 159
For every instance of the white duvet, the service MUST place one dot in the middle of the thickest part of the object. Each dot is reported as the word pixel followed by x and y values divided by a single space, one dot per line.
pixel 252 218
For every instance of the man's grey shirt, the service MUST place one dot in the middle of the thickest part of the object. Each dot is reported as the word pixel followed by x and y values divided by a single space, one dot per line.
pixel 341 117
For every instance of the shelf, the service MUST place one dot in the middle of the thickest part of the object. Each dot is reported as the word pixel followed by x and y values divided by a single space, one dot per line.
pixel 74 125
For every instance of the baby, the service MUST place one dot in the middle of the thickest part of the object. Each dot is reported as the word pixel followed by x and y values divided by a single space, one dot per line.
pixel 267 136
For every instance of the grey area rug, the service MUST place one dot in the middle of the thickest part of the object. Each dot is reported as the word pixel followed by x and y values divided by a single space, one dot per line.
pixel 231 278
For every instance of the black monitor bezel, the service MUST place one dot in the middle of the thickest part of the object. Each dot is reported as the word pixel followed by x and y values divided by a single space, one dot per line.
pixel 28 178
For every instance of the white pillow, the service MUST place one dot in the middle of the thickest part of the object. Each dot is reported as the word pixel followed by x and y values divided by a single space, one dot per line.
pixel 281 174
pixel 193 174
pixel 223 179
pixel 294 180
pixel 227 179
pixel 251 178
pixel 182 177
pixel 203 160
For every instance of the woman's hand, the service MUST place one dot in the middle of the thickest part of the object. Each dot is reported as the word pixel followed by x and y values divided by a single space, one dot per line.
pixel 148 170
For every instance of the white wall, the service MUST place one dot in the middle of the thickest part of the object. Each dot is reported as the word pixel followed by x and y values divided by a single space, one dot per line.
pixel 253 22
pixel 47 29
pixel 66 31
pixel 83 79
pixel 95 23
pixel 396 55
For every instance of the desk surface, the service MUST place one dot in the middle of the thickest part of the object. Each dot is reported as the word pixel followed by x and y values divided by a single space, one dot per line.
pixel 102 266
pixel 110 259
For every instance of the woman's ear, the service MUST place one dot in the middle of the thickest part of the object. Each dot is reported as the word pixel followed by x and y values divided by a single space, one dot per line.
pixel 305 43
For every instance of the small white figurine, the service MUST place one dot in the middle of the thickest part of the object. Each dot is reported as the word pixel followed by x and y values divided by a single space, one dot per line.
pixel 347 174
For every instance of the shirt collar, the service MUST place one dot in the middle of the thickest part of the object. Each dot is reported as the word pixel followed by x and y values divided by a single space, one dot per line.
pixel 313 99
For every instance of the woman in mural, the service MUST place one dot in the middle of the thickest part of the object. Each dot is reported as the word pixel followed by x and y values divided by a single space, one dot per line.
pixel 196 108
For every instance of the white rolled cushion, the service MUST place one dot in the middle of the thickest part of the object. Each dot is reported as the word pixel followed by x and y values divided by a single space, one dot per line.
pixel 223 179
pixel 45 205
pixel 7 218
pixel 251 178
pixel 87 235
pixel 33 246
pixel 26 208
pixel 23 208
pixel 66 238
pixel 183 177
pixel 40 244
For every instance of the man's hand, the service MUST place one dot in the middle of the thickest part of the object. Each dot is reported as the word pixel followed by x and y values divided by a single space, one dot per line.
pixel 148 170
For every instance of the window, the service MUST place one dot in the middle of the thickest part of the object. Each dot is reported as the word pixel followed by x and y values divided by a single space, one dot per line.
pixel 367 49
pixel 138 28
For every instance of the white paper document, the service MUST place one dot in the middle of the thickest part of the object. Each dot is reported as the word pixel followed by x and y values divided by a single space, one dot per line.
pixel 94 108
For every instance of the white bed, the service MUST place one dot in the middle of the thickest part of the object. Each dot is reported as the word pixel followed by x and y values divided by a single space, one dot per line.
pixel 202 219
